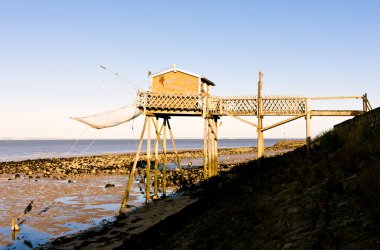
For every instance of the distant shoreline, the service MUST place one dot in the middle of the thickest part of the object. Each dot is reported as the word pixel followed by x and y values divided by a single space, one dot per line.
pixel 117 163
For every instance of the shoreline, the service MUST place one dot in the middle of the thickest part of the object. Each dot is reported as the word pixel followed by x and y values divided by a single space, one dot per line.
pixel 68 194
pixel 114 163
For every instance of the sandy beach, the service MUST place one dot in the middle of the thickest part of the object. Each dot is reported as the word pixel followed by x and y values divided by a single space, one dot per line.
pixel 70 195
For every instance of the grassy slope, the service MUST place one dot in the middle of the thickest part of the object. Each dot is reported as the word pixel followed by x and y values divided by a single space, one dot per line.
pixel 328 201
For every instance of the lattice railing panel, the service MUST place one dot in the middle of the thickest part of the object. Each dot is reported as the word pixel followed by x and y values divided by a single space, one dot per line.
pixel 238 106
pixel 188 102
pixel 217 105
pixel 284 105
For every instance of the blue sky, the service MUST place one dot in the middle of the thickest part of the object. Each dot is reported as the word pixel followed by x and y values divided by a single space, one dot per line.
pixel 50 52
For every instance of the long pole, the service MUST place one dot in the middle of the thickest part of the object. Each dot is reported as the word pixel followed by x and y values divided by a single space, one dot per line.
pixel 164 161
pixel 147 169
pixel 216 144
pixel 132 173
pixel 260 136
pixel 155 185
pixel 308 131
pixel 205 149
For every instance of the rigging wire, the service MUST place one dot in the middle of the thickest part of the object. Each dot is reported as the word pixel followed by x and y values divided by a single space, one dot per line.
pixel 135 85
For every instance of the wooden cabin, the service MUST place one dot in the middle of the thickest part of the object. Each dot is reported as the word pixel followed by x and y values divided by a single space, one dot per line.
pixel 175 80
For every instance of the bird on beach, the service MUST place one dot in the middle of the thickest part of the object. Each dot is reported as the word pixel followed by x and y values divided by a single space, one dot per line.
pixel 28 208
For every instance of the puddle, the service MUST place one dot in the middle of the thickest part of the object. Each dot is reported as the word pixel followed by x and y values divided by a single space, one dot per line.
pixel 60 207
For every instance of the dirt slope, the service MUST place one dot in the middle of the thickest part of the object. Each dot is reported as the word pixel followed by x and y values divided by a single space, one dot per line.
pixel 330 200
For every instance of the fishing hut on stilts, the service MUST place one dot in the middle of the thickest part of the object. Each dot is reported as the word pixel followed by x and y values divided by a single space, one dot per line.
pixel 176 92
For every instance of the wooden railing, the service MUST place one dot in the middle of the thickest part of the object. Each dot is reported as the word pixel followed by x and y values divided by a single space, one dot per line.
pixel 273 105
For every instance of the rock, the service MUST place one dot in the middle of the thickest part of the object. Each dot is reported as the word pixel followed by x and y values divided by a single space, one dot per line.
pixel 17 176
pixel 70 181
pixel 30 173
pixel 109 185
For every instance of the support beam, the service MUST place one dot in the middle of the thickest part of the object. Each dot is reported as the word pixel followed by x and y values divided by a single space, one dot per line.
pixel 216 145
pixel 282 122
pixel 260 136
pixel 175 151
pixel 240 119
pixel 164 160
pixel 308 131
pixel 132 173
pixel 205 137
pixel 209 148
pixel 336 112
pixel 155 184
pixel 147 168
pixel 334 97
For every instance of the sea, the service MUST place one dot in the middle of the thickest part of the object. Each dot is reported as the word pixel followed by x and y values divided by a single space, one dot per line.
pixel 18 150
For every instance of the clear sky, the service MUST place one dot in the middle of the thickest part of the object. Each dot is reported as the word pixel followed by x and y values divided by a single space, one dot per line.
pixel 50 52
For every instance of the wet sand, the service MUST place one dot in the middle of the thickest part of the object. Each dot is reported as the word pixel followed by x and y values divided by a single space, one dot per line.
pixel 66 204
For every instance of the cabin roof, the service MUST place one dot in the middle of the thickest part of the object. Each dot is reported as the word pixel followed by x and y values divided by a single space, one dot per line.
pixel 175 69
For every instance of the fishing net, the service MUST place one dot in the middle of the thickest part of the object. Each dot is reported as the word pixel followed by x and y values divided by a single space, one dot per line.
pixel 110 118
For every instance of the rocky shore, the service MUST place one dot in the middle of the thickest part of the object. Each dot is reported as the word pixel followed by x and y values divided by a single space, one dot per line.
pixel 62 168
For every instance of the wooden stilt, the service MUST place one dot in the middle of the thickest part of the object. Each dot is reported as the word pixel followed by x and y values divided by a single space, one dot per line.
pixel 216 144
pixel 260 136
pixel 175 150
pixel 147 169
pixel 205 173
pixel 164 160
pixel 132 173
pixel 308 131
pixel 155 184
pixel 209 147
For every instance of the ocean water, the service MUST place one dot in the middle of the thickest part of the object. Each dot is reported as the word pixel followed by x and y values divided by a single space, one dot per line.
pixel 17 150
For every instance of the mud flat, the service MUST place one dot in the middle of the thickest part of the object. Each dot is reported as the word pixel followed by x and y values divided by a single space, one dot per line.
pixel 67 201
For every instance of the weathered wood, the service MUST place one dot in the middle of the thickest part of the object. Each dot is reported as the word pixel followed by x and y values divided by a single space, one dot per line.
pixel 175 150
pixel 240 119
pixel 282 122
pixel 155 184
pixel 308 131
pixel 133 170
pixel 260 136
pixel 333 97
pixel 164 179
pixel 209 149
pixel 336 112
pixel 205 136
pixel 175 82
pixel 216 145
pixel 147 168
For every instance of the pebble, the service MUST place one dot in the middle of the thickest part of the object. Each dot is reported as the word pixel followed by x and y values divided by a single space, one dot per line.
pixel 109 185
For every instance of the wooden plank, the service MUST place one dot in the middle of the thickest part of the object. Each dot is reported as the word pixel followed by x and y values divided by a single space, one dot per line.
pixel 336 112
pixel 333 97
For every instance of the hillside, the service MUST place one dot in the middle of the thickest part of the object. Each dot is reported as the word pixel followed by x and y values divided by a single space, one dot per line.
pixel 330 200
